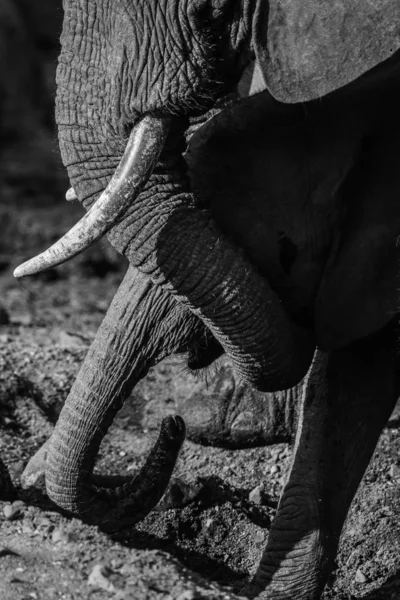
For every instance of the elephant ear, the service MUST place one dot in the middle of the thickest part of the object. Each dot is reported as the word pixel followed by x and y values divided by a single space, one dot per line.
pixel 308 48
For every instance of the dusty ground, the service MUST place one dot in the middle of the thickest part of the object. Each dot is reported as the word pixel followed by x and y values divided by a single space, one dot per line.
pixel 202 549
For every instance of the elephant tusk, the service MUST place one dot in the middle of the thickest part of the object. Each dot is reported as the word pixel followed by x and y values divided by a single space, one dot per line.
pixel 143 149
pixel 70 196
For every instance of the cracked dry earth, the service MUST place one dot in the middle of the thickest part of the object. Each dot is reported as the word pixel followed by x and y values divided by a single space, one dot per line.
pixel 198 545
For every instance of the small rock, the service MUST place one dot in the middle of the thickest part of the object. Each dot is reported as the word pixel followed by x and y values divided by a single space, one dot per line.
pixel 394 471
pixel 209 526
pixel 360 577
pixel 56 536
pixel 256 495
pixel 180 494
pixel 68 339
pixel 24 319
pixel 11 513
pixel 352 531
pixel 274 469
pixel 275 452
pixel 17 468
pixel 59 535
pixel 42 521
pixel 259 537
pixel 98 579
pixel 27 529
pixel 188 595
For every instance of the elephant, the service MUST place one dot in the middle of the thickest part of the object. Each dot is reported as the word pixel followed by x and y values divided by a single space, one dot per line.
pixel 266 232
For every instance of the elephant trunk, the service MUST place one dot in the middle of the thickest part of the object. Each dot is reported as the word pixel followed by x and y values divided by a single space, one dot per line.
pixel 141 327
pixel 167 236
pixel 164 234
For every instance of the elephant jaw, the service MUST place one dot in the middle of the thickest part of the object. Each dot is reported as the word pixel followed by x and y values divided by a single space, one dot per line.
pixel 142 151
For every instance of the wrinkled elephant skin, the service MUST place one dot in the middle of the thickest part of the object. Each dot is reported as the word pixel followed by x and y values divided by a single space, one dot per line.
pixel 348 397
pixel 278 231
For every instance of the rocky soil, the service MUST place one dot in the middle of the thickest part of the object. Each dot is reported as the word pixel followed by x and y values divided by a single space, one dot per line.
pixel 202 544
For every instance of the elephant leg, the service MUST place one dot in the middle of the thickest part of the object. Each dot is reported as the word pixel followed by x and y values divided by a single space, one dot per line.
pixel 7 491
pixel 229 413
pixel 347 399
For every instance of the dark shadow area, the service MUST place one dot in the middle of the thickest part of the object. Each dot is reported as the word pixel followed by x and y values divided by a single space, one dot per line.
pixel 213 570
pixel 31 169
pixel 176 525
pixel 388 591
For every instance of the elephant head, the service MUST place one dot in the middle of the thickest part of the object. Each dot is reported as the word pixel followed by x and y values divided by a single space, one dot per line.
pixel 130 74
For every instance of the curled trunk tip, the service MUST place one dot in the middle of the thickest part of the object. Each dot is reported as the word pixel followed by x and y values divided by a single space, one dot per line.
pixel 115 508
pixel 115 362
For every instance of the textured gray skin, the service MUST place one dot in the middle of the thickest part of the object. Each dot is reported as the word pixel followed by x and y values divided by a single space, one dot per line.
pixel 228 413
pixel 348 397
pixel 126 504
pixel 310 187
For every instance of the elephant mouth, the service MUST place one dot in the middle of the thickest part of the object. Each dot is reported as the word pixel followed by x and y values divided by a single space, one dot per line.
pixel 145 144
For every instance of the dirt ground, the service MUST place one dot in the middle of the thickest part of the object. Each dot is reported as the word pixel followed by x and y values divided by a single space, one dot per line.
pixel 203 546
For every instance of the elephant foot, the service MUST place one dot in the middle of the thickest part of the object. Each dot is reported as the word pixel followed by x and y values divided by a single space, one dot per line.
pixel 230 414
pixel 7 490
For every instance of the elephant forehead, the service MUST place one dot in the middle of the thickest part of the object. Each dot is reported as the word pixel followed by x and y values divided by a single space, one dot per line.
pixel 312 47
